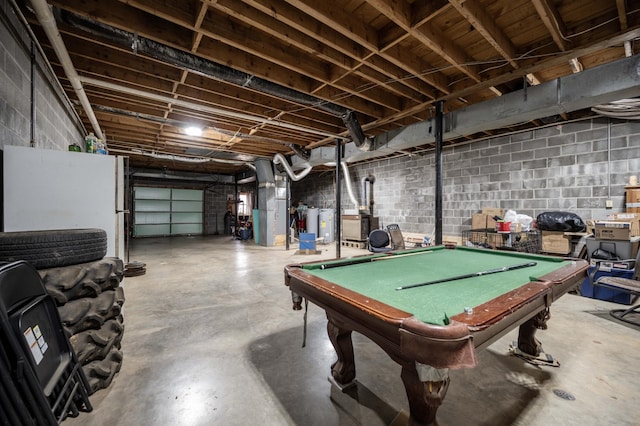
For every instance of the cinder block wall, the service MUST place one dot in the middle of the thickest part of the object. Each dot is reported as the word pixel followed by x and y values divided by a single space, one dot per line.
pixel 55 125
pixel 572 167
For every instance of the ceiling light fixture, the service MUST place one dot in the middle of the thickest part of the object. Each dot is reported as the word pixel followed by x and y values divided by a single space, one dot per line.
pixel 193 131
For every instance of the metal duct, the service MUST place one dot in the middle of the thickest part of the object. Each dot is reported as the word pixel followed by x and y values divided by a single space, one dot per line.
pixel 300 151
pixel 195 63
pixel 355 130
pixel 280 159
pixel 48 22
pixel 267 202
pixel 595 86
pixel 347 180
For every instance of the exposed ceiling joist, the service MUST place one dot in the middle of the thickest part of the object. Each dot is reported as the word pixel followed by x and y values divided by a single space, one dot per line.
pixel 386 60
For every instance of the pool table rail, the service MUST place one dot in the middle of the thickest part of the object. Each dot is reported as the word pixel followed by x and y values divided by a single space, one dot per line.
pixel 399 333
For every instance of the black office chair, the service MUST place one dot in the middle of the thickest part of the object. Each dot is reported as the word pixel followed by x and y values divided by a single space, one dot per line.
pixel 39 357
pixel 379 241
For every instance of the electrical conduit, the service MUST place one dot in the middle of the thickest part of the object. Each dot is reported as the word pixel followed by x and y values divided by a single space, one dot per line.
pixel 48 22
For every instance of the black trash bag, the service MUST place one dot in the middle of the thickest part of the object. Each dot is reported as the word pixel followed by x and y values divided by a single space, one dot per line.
pixel 560 221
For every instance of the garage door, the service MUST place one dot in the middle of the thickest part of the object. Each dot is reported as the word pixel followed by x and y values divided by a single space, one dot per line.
pixel 167 211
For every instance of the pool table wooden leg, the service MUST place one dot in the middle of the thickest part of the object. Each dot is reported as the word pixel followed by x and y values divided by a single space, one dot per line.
pixel 344 369
pixel 424 396
pixel 527 341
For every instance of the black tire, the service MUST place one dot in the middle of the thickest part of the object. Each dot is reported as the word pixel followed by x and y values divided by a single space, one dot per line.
pixel 50 249
pixel 73 282
pixel 91 345
pixel 100 373
pixel 91 312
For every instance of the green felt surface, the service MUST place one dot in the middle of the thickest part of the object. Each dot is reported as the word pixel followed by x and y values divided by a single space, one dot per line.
pixel 379 279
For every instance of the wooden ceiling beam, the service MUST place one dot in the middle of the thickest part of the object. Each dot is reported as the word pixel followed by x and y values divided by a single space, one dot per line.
pixel 228 32
pixel 295 19
pixel 553 21
pixel 427 34
pixel 475 13
pixel 314 47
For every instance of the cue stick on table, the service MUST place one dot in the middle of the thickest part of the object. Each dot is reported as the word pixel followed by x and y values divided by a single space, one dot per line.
pixel 474 274
pixel 368 259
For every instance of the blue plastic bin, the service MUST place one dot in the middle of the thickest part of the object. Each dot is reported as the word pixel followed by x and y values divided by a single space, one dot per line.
pixel 307 241
pixel 606 294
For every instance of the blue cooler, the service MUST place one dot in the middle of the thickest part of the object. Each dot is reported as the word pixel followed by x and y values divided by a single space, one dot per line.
pixel 606 294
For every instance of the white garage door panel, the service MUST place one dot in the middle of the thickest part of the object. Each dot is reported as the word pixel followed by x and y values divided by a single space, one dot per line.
pixel 166 211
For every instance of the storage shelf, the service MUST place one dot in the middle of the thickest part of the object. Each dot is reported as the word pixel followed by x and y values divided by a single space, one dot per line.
pixel 528 242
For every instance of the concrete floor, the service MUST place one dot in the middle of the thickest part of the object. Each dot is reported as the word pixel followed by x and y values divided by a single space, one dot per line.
pixel 210 338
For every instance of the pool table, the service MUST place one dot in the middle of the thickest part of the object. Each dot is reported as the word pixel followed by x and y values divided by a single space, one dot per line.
pixel 429 328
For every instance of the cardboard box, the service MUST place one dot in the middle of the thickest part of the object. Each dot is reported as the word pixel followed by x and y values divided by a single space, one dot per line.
pixel 555 242
pixel 493 211
pixel 612 230
pixel 632 218
pixel 482 221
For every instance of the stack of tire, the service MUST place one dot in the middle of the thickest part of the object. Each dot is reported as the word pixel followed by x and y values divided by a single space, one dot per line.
pixel 86 287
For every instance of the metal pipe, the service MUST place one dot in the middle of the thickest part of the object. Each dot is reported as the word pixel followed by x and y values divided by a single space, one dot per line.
pixel 609 158
pixel 47 21
pixel 186 159
pixel 195 63
pixel 438 159
pixel 357 135
pixel 47 69
pixel 33 99
pixel 200 107
pixel 347 180
pixel 280 159
pixel 338 214
pixel 364 201
pixel 287 216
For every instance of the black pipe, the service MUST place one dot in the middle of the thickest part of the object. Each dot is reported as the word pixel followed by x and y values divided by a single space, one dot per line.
pixel 438 154
pixel 287 216
pixel 33 99
pixel 301 152
pixel 337 216
pixel 192 62
pixel 355 131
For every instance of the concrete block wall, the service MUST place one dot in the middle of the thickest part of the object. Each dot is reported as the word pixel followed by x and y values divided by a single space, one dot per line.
pixel 55 124
pixel 572 167
pixel 215 201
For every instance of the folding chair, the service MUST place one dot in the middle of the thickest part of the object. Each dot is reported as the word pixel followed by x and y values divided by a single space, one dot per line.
pixel 379 241
pixel 13 410
pixel 40 358
pixel 397 241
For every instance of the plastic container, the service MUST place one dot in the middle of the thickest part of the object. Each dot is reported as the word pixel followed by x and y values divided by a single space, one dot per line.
pixel 100 148
pixel 606 294
pixel 307 241
pixel 91 143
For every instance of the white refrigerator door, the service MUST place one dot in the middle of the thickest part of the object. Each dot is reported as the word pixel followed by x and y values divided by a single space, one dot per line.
pixel 48 189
